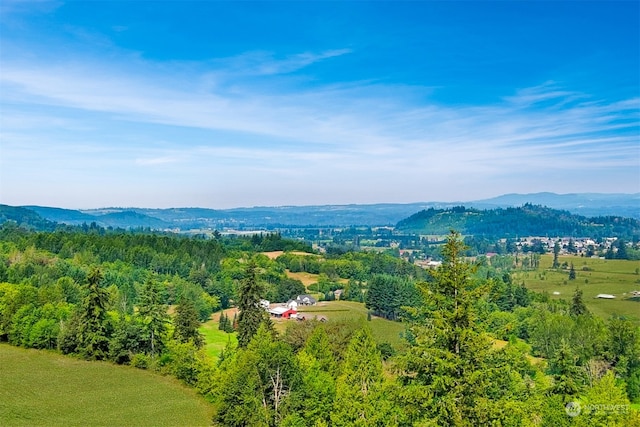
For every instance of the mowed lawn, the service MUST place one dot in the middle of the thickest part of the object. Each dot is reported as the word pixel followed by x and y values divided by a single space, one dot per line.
pixel 593 277
pixel 40 388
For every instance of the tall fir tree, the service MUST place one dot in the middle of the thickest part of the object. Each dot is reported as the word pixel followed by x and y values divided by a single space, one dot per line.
pixel 556 252
pixel 93 340
pixel 186 323
pixel 153 314
pixel 578 306
pixel 222 321
pixel 358 388
pixel 449 373
pixel 250 314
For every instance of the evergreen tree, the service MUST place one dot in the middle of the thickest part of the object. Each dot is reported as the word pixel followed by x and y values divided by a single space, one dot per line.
pixel 572 272
pixel 93 340
pixel 566 375
pixel 358 388
pixel 186 324
pixel 238 395
pixel 319 346
pixel 153 314
pixel 318 368
pixel 556 252
pixel 222 321
pixel 578 306
pixel 449 373
pixel 250 314
pixel 621 253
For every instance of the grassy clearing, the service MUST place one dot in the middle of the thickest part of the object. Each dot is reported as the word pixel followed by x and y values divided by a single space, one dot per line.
pixel 215 339
pixel 276 254
pixel 593 277
pixel 306 278
pixel 39 388
pixel 383 330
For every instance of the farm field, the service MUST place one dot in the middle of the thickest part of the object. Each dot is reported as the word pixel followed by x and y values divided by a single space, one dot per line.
pixel 593 277
pixel 306 278
pixel 276 254
pixel 383 330
pixel 39 388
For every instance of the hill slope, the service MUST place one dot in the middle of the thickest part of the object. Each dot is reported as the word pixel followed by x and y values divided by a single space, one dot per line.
pixel 25 218
pixel 586 204
pixel 38 388
pixel 528 220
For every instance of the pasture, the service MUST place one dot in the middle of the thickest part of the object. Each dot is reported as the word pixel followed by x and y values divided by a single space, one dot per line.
pixel 593 277
pixel 40 388
pixel 383 330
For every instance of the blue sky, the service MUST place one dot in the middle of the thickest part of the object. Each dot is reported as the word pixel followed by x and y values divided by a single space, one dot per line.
pixel 226 104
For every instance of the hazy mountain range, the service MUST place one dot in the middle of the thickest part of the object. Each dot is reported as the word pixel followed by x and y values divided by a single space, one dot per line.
pixel 585 204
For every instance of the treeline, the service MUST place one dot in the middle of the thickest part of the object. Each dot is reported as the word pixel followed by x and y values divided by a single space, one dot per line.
pixel 528 220
pixel 354 273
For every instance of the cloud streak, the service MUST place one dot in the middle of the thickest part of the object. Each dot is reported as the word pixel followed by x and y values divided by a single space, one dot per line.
pixel 146 115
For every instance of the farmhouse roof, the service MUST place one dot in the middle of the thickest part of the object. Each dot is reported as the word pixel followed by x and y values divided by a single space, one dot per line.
pixel 306 299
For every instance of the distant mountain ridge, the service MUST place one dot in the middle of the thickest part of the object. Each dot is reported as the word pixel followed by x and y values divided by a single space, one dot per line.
pixel 382 214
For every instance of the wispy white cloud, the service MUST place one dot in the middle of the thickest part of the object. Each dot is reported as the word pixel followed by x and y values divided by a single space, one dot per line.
pixel 349 135
pixel 267 63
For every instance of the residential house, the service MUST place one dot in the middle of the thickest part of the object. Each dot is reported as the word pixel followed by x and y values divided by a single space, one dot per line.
pixel 306 299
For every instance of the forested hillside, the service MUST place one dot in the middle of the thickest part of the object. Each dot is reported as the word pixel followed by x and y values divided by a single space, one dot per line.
pixel 25 218
pixel 528 220
pixel 478 348
pixel 382 214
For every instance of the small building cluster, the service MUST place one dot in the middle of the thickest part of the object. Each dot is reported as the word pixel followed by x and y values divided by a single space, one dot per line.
pixel 289 310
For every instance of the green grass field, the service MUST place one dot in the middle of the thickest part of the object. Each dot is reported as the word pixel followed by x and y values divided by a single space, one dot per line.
pixel 215 339
pixel 593 277
pixel 40 388
pixel 383 330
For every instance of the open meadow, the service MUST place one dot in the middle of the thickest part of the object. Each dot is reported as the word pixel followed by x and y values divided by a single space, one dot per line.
pixel 383 330
pixel 40 388
pixel 215 339
pixel 593 277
